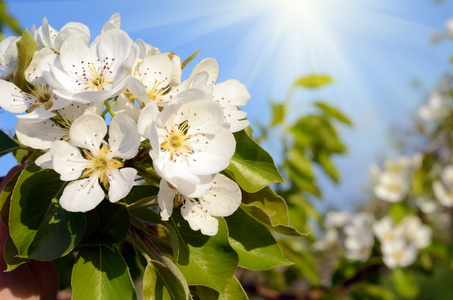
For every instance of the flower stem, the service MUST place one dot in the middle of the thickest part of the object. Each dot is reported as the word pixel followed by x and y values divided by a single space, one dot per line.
pixel 109 108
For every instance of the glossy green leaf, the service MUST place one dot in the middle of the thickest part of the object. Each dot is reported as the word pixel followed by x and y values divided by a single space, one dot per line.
pixel 7 144
pixel 39 227
pixel 313 81
pixel 10 255
pixel 26 47
pixel 202 259
pixel 255 245
pixel 164 281
pixel 405 283
pixel 333 112
pixel 233 291
pixel 5 197
pixel 278 113
pixel 302 182
pixel 107 224
pixel 141 193
pixel 251 166
pixel 205 293
pixel 269 209
pixel 101 273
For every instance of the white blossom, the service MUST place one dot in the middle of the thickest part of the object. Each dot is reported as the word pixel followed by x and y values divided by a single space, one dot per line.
pixel 221 200
pixel 95 163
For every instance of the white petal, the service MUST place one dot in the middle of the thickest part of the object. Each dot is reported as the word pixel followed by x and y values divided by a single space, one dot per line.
pixel 205 116
pixel 147 116
pixel 231 91
pixel 81 31
pixel 190 189
pixel 209 65
pixel 223 199
pixel 113 22
pixel 124 139
pixel 33 70
pixel 67 160
pixel 165 199
pixel 39 135
pixel 124 105
pixel 38 115
pixel 44 161
pixel 212 153
pixel 12 98
pixel 88 131
pixel 116 44
pixel 234 118
pixel 120 183
pixel 137 88
pixel 82 195
pixel 198 220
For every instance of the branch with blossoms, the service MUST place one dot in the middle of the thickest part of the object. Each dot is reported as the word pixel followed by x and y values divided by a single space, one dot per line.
pixel 120 152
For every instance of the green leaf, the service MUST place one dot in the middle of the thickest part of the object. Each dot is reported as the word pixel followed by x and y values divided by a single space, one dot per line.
pixel 204 260
pixel 101 273
pixel 314 132
pixel 10 255
pixel 164 281
pixel 301 164
pixel 324 160
pixel 7 144
pixel 251 166
pixel 234 291
pixel 107 224
pixel 26 47
pixel 205 293
pixel 189 59
pixel 256 247
pixel 405 283
pixel 141 193
pixel 313 81
pixel 374 291
pixel 333 112
pixel 5 196
pixel 269 209
pixel 304 261
pixel 278 113
pixel 39 227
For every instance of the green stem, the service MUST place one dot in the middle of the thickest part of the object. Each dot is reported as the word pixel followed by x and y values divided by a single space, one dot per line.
pixel 109 108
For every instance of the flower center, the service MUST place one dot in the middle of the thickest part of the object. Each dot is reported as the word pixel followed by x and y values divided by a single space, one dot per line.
pixel 101 164
pixel 398 255
pixel 41 95
pixel 394 187
pixel 176 140
pixel 98 80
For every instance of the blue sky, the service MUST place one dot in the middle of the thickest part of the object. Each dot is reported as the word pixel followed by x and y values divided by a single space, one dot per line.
pixel 373 48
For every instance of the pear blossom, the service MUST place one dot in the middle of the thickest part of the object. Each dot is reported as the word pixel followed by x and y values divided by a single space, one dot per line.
pixel 398 254
pixel 93 73
pixel 221 200
pixel 415 232
pixel 95 163
pixel 437 108
pixel 329 240
pixel 48 37
pixel 359 238
pixel 385 231
pixel 229 94
pixel 8 56
pixel 189 142
pixel 336 219
pixel 40 101
pixel 391 187
pixel 154 76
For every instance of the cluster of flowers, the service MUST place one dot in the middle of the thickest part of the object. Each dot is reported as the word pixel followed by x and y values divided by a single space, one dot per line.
pixel 353 232
pixel 356 232
pixel 392 183
pixel 400 242
pixel 187 126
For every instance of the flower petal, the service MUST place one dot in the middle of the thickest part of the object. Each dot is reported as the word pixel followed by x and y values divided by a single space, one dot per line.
pixel 124 105
pixel 165 199
pixel 88 131
pixel 209 65
pixel 12 98
pixel 39 135
pixel 82 195
pixel 231 91
pixel 120 183
pixel 67 160
pixel 124 139
pixel 198 220
pixel 223 198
